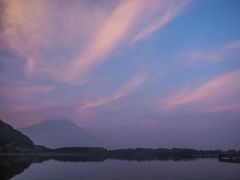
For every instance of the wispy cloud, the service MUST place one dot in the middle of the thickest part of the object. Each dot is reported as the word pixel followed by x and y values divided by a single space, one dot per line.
pixel 50 34
pixel 37 89
pixel 28 107
pixel 66 41
pixel 199 55
pixel 109 36
pixel 149 122
pixel 128 88
pixel 30 66
pixel 220 53
pixel 170 9
pixel 25 92
pixel 225 107
pixel 232 45
pixel 212 92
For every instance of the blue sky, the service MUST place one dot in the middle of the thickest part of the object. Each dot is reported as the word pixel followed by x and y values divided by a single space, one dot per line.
pixel 164 72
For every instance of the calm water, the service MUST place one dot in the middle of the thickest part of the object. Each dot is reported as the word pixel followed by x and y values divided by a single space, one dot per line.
pixel 23 169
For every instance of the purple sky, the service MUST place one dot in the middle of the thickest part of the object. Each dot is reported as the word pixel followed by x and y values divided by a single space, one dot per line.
pixel 149 73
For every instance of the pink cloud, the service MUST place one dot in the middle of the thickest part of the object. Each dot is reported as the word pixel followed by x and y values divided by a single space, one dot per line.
pixel 232 45
pixel 169 9
pixel 215 90
pixel 107 38
pixel 30 66
pixel 149 122
pixel 89 32
pixel 26 93
pixel 129 87
pixel 28 107
pixel 218 54
pixel 34 29
pixel 28 89
pixel 225 107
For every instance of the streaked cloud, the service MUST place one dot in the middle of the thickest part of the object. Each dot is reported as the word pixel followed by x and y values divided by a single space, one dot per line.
pixel 169 10
pixel 30 66
pixel 225 107
pixel 232 45
pixel 65 41
pixel 127 88
pixel 149 122
pixel 212 91
pixel 28 107
pixel 24 92
pixel 37 89
pixel 199 55
pixel 108 37
pixel 216 54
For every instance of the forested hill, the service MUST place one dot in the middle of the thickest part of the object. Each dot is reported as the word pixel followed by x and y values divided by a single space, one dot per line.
pixel 12 138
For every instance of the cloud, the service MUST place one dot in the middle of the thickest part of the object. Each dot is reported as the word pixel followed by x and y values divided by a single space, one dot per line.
pixel 220 53
pixel 169 10
pixel 232 45
pixel 109 36
pixel 30 107
pixel 24 93
pixel 37 89
pixel 211 92
pixel 30 66
pixel 48 35
pixel 149 122
pixel 66 41
pixel 225 107
pixel 29 89
pixel 199 55
pixel 129 87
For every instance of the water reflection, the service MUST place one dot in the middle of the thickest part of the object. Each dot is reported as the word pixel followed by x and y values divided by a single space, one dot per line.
pixel 15 164
pixel 12 165
pixel 164 158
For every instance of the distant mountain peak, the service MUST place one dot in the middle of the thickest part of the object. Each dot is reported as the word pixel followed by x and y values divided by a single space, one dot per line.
pixel 59 133
pixel 57 121
pixel 62 126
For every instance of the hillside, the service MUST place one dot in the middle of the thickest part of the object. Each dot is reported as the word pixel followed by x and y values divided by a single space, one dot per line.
pixel 11 138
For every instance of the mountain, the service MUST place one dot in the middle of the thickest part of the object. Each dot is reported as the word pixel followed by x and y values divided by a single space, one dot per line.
pixel 11 138
pixel 60 133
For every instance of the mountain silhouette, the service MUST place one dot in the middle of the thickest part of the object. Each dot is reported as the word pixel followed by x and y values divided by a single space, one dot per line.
pixel 60 133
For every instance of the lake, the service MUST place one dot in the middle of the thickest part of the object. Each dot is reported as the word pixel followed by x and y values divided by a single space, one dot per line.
pixel 23 168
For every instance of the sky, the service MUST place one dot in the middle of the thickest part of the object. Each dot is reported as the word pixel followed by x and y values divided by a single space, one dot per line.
pixel 144 73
